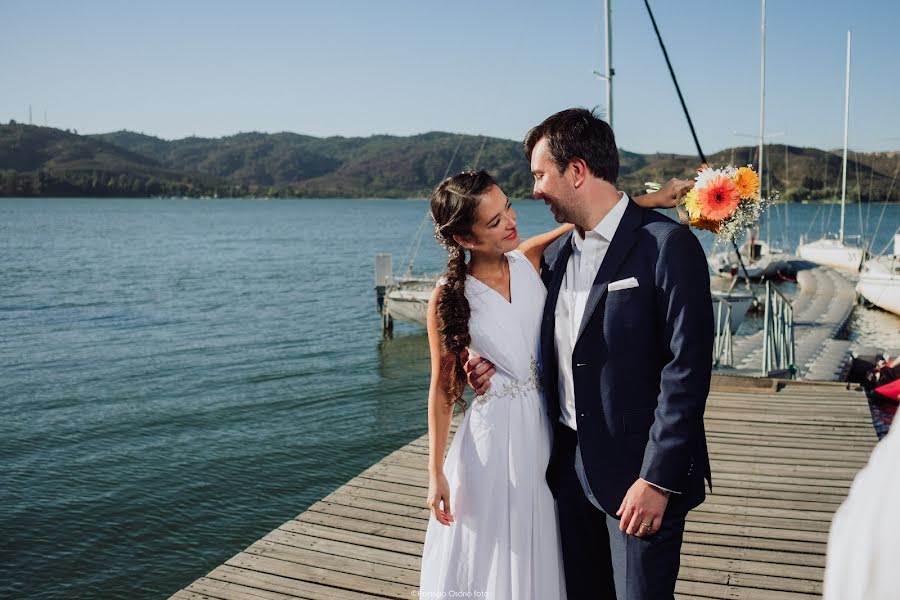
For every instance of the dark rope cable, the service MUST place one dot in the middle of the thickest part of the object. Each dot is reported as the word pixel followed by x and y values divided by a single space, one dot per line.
pixel 690 124
pixel 675 81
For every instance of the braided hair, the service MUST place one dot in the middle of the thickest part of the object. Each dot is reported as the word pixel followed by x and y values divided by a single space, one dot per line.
pixel 453 206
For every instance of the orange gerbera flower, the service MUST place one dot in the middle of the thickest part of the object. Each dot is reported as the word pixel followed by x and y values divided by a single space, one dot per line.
pixel 719 199
pixel 747 182
pixel 707 224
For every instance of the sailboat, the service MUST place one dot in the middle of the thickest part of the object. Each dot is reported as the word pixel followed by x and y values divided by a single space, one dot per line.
pixel 879 280
pixel 759 260
pixel 830 251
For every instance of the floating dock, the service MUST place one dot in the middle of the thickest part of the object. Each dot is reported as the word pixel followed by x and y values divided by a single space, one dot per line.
pixel 822 310
pixel 783 457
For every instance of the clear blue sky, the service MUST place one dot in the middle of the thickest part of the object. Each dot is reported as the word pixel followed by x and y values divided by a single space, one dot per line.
pixel 359 67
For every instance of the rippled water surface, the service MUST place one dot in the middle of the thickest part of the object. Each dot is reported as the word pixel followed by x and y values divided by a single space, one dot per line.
pixel 179 377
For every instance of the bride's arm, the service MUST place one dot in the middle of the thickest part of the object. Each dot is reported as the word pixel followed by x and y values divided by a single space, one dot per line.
pixel 667 196
pixel 440 414
pixel 534 247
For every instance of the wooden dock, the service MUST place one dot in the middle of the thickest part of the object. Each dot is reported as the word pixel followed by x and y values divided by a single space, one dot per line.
pixel 782 462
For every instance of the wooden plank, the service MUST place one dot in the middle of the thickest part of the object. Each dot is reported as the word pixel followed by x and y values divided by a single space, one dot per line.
pixel 222 590
pixel 369 526
pixel 350 500
pixel 748 530
pixel 739 539
pixel 793 573
pixel 265 583
pixel 731 592
pixel 729 491
pixel 784 444
pixel 372 543
pixel 352 514
pixel 294 556
pixel 720 497
pixel 688 572
pixel 754 555
pixel 769 481
pixel 786 526
pixel 365 578
pixel 325 545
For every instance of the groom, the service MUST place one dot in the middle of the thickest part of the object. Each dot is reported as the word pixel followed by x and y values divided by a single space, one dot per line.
pixel 626 347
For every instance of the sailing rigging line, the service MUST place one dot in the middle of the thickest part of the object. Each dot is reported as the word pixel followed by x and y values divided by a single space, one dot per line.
pixel 675 81
pixel 890 241
pixel 827 224
pixel 813 221
pixel 422 226
pixel 869 196
pixel 786 220
pixel 478 156
pixel 687 115
pixel 883 206
pixel 859 202
pixel 413 251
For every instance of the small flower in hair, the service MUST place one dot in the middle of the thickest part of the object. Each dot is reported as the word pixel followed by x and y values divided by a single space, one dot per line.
pixel 440 237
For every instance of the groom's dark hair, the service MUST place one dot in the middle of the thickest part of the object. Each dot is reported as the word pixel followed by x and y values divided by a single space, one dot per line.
pixel 578 133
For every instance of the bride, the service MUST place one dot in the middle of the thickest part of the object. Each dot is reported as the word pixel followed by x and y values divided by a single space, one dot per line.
pixel 493 530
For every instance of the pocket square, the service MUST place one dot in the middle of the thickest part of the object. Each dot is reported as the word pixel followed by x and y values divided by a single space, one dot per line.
pixel 623 284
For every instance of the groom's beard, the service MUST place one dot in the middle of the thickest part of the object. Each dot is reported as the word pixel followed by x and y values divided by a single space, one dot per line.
pixel 558 217
pixel 562 214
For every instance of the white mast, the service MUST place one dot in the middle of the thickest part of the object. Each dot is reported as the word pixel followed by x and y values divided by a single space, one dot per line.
pixel 846 119
pixel 609 69
pixel 762 94
pixel 607 75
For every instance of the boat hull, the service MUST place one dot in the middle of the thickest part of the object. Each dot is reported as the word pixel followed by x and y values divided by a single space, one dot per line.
pixel 879 284
pixel 832 253
pixel 408 305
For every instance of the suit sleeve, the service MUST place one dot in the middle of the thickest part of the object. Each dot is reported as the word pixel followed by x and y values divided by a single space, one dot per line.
pixel 684 313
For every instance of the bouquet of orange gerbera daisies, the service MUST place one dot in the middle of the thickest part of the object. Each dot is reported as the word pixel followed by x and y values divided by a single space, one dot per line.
pixel 724 201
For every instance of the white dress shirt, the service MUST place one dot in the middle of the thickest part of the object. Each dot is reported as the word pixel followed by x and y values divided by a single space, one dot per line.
pixel 587 255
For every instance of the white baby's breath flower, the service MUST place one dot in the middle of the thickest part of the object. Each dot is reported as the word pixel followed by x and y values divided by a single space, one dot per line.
pixel 746 215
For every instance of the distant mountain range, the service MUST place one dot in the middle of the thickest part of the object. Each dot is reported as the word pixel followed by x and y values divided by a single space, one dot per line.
pixel 43 161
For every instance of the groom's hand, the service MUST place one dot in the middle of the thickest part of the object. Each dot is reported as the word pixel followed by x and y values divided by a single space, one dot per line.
pixel 642 510
pixel 478 372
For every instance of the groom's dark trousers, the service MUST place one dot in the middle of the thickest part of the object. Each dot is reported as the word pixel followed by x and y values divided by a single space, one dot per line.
pixel 596 553
pixel 640 372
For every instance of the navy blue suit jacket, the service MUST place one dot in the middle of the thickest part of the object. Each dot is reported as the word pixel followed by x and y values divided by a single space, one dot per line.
pixel 642 362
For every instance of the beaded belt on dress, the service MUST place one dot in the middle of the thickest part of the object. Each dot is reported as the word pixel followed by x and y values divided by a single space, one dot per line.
pixel 516 388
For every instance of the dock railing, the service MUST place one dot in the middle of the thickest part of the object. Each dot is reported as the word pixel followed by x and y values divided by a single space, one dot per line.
pixel 723 347
pixel 778 333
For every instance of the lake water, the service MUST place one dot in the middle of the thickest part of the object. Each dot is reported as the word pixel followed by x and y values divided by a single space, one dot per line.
pixel 179 377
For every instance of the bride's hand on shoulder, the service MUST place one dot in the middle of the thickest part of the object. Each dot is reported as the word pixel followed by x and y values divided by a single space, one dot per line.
pixel 667 196
pixel 439 498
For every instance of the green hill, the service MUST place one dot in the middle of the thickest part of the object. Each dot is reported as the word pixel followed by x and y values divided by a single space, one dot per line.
pixel 42 161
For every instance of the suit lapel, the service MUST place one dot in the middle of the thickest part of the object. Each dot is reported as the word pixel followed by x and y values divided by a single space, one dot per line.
pixel 548 322
pixel 622 241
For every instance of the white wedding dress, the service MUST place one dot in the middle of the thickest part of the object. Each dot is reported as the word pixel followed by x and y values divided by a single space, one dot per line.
pixel 504 541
